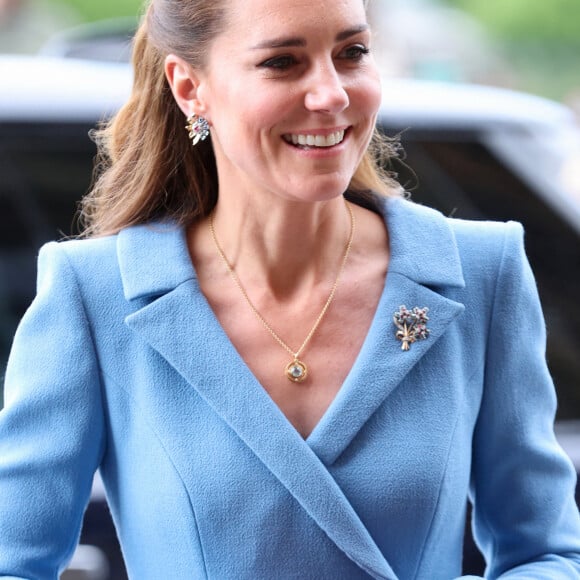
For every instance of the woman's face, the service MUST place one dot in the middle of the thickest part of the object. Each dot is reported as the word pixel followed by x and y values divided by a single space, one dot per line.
pixel 291 93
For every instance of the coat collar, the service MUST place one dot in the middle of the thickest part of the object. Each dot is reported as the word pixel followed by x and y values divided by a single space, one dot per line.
pixel 154 258
pixel 155 264
pixel 423 246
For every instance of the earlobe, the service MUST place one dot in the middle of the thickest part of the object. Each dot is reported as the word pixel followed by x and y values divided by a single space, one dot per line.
pixel 184 84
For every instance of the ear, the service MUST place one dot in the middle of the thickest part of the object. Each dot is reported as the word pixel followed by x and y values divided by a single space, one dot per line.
pixel 184 82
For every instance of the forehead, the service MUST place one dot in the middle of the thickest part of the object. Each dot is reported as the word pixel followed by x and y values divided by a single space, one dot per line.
pixel 256 17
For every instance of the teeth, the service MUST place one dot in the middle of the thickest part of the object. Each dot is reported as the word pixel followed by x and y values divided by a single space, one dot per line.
pixel 316 140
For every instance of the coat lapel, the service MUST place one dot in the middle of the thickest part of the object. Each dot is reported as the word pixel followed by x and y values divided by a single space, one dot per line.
pixel 179 324
pixel 231 389
pixel 381 365
pixel 424 255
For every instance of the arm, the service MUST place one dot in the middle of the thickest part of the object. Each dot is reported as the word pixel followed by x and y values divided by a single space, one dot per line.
pixel 51 429
pixel 526 520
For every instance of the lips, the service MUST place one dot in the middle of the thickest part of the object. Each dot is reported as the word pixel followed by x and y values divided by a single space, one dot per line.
pixel 307 140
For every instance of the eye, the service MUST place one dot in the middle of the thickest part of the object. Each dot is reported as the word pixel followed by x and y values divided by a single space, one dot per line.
pixel 355 52
pixel 279 62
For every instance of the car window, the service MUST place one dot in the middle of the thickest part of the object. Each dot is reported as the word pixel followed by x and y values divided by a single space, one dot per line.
pixel 45 168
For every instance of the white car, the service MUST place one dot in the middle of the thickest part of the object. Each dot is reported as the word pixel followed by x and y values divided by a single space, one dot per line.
pixel 470 151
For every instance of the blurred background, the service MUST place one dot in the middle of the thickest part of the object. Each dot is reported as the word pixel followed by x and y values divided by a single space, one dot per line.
pixel 529 45
pixel 469 151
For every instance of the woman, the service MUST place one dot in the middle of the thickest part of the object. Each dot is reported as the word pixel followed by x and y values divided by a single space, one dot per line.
pixel 225 349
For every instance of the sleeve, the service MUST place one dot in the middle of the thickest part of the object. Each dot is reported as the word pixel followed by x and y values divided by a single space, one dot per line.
pixel 51 428
pixel 526 520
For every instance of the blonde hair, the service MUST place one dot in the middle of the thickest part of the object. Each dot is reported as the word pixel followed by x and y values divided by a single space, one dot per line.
pixel 147 168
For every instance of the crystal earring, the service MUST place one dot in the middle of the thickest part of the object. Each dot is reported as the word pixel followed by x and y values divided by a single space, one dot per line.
pixel 197 128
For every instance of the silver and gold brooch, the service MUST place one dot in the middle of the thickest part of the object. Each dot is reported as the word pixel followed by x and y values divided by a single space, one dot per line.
pixel 411 325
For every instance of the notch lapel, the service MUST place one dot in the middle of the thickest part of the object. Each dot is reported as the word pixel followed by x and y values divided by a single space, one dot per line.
pixel 179 324
pixel 235 395
pixel 424 264
pixel 381 365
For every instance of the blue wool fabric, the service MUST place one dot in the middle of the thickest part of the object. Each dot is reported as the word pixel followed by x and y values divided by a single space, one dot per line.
pixel 120 365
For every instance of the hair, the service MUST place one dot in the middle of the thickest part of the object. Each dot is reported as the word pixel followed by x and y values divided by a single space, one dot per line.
pixel 146 167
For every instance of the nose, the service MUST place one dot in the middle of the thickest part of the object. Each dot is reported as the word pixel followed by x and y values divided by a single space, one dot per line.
pixel 326 91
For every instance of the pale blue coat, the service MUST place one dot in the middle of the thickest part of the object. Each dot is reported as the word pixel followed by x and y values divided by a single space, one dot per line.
pixel 121 365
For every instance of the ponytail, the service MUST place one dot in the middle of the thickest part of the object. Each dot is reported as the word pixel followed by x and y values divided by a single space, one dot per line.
pixel 147 167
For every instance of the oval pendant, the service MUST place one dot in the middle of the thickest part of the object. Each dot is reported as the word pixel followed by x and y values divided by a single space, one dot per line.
pixel 296 371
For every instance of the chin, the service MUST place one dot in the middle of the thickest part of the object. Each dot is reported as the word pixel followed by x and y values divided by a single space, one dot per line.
pixel 319 189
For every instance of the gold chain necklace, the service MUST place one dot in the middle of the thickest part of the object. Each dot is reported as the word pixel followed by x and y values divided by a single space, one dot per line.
pixel 296 371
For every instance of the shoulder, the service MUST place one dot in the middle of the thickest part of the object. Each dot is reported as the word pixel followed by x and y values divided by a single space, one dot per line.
pixel 466 231
pixel 84 259
pixel 489 246
pixel 481 242
pixel 143 260
pixel 487 235
pixel 146 244
pixel 78 273
pixel 80 251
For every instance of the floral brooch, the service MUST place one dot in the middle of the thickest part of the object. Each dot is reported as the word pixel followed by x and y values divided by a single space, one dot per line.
pixel 411 325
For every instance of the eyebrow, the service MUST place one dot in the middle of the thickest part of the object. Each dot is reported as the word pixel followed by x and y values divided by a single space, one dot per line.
pixel 299 41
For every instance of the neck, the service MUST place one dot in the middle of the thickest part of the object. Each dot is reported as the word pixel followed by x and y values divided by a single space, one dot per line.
pixel 285 249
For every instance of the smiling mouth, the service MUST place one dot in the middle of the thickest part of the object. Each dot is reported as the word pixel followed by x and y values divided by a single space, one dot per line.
pixel 315 140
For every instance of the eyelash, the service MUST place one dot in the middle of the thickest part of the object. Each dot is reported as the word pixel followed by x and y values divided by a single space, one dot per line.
pixel 279 62
pixel 360 49
pixel 286 61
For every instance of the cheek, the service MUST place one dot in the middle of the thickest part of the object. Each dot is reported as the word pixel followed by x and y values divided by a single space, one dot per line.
pixel 370 95
pixel 251 114
pixel 367 90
